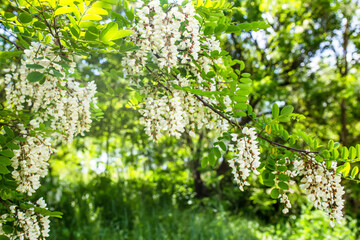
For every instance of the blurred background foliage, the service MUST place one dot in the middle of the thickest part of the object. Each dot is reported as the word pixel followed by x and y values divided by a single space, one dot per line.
pixel 116 184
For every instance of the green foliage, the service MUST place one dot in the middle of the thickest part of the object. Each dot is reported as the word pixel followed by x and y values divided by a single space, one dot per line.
pixel 95 29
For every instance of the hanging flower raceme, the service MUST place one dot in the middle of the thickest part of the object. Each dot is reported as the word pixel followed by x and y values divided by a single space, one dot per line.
pixel 44 85
pixel 30 162
pixel 27 223
pixel 168 39
pixel 323 188
pixel 246 156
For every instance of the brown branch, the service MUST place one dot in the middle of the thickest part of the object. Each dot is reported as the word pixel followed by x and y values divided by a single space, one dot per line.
pixel 158 80
pixel 217 112
pixel 286 147
pixel 232 122
pixel 15 44
pixel 4 124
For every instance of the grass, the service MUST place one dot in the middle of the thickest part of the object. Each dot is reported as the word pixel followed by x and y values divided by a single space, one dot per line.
pixel 104 210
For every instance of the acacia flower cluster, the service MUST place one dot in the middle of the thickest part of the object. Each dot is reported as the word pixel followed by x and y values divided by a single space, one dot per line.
pixel 30 162
pixel 28 224
pixel 322 186
pixel 170 39
pixel 44 85
pixel 246 156
pixel 56 99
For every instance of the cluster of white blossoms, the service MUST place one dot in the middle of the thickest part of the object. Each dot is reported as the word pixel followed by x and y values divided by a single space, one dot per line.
pixel 28 224
pixel 246 156
pixel 57 100
pixel 170 39
pixel 322 186
pixel 43 84
pixel 30 162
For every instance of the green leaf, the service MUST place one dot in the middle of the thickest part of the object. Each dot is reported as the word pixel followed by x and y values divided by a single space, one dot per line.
pixel 5 161
pixel 92 17
pixel 275 110
pixel 352 153
pixel 287 110
pixel 34 66
pixel 40 25
pixel 122 34
pixel 3 169
pixel 7 153
pixel 208 30
pixel 55 214
pixel 357 147
pixel 102 5
pixel 74 31
pixel 326 154
pixel 111 32
pixel 35 76
pixel 10 16
pixel 284 177
pixel 222 145
pixel 319 159
pixel 92 34
pixel 130 14
pixel 97 10
pixel 63 10
pixel 25 17
pixel 211 158
pixel 110 1
pixel 283 185
pixel 9 132
pixel 204 162
pixel 344 169
pixel 275 193
pixel 242 65
pixel 3 237
pixel 217 152
pixel 354 171
pixel 7 229
pixel 269 183
pixel 335 154
pixel 246 80
pixel 219 28
pixel 20 139
pixel 13 146
pixel 267 175
pixel 281 168
pixel 344 153
pixel 55 73
pixel 284 118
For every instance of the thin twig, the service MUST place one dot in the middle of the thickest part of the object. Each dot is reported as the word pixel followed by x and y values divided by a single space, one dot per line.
pixel 15 44
pixel 216 111
pixel 232 122
pixel 286 147
pixel 4 124
pixel 158 80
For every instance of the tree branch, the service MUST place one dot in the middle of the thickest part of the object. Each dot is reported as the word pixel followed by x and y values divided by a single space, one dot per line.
pixel 158 80
pixel 232 122
pixel 217 112
pixel 15 44
pixel 286 147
